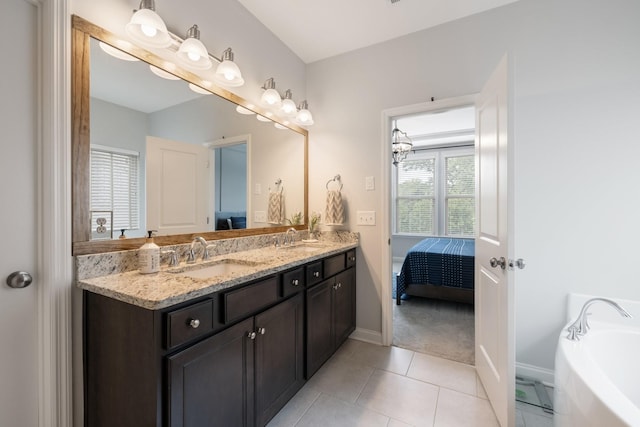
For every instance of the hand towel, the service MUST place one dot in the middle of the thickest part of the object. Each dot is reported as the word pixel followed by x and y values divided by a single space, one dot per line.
pixel 334 213
pixel 275 211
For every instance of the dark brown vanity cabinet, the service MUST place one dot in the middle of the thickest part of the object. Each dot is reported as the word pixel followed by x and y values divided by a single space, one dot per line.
pixel 232 358
pixel 331 314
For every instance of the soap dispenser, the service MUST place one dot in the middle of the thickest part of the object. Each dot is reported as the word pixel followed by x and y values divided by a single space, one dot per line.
pixel 149 256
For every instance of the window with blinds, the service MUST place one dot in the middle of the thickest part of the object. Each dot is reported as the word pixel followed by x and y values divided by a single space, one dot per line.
pixel 435 193
pixel 115 185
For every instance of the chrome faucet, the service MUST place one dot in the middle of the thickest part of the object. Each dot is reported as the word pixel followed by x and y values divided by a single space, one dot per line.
pixel 191 255
pixel 287 239
pixel 580 326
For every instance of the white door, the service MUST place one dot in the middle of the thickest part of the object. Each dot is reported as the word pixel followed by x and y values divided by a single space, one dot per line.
pixel 178 188
pixel 18 142
pixel 494 295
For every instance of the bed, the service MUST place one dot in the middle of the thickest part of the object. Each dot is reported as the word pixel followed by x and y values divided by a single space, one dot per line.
pixel 439 267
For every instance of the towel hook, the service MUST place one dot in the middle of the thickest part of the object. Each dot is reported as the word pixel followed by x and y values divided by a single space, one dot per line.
pixel 334 179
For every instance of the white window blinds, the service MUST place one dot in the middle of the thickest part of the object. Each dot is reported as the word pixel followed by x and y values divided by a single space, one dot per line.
pixel 115 185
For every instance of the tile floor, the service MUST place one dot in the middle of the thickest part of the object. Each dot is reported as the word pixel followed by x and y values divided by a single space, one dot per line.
pixel 370 385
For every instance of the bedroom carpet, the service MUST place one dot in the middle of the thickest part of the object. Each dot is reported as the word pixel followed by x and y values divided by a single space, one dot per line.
pixel 439 328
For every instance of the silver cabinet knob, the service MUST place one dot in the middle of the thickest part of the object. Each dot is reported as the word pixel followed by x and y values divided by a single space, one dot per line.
pixel 251 335
pixel 261 331
pixel 19 279
pixel 502 262
pixel 295 282
pixel 194 323
pixel 316 274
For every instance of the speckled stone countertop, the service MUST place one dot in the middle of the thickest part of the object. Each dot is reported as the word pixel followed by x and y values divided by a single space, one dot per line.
pixel 169 286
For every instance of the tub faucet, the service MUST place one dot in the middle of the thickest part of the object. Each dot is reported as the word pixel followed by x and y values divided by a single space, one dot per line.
pixel 580 326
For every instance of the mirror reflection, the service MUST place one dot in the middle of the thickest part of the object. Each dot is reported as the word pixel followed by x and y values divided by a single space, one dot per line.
pixel 166 158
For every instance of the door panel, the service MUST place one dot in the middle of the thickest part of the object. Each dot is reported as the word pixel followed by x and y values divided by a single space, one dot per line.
pixel 178 187
pixel 18 307
pixel 495 344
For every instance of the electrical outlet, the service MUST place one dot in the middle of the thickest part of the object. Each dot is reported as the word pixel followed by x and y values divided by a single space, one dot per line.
pixel 259 216
pixel 366 217
pixel 369 183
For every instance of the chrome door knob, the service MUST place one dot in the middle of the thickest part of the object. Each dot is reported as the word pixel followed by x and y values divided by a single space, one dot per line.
pixel 502 262
pixel 194 323
pixel 517 263
pixel 19 279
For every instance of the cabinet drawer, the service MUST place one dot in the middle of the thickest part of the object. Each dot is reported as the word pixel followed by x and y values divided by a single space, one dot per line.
pixel 351 258
pixel 249 299
pixel 188 323
pixel 314 273
pixel 334 265
pixel 292 281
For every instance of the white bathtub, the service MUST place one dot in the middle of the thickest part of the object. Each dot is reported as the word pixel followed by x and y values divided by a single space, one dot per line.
pixel 597 379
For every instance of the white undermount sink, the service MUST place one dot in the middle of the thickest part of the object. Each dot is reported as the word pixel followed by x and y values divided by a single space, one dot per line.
pixel 218 268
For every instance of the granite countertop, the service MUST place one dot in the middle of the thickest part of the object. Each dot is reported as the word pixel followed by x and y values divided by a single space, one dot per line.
pixel 168 286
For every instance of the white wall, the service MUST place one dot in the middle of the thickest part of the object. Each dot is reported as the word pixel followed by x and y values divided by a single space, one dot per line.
pixel 576 98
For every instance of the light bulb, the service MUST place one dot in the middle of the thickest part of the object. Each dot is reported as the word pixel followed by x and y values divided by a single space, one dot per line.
pixel 148 30
pixel 194 56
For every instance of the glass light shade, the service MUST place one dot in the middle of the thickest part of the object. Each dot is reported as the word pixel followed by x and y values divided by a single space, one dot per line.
pixel 304 117
pixel 271 97
pixel 192 53
pixel 117 53
pixel 289 107
pixel 240 109
pixel 162 73
pixel 228 74
pixel 281 127
pixel 147 28
pixel 263 118
pixel 198 89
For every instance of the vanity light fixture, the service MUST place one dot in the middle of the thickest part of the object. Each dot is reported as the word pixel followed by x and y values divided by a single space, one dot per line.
pixel 162 73
pixel 192 53
pixel 400 145
pixel 242 110
pixel 288 107
pixel 147 28
pixel 304 117
pixel 227 72
pixel 198 89
pixel 270 97
pixel 117 53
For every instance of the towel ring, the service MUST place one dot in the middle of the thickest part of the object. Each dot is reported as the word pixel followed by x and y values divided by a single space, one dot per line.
pixel 334 179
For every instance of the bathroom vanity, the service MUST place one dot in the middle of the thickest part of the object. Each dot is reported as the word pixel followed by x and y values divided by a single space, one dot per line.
pixel 172 350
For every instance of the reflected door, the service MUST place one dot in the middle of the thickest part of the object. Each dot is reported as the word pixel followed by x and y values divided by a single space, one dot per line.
pixel 177 179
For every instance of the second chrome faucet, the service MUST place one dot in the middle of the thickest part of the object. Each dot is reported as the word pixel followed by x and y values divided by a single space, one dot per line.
pixel 191 255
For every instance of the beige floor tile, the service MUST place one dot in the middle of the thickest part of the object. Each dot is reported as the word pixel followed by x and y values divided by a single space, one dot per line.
pixel 327 411
pixel 480 391
pixel 446 373
pixel 404 399
pixel 341 377
pixel 457 409
pixel 392 359
pixel 295 408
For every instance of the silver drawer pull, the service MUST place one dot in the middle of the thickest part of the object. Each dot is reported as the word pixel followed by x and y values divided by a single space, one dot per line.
pixel 295 282
pixel 261 331
pixel 316 274
pixel 352 258
pixel 194 323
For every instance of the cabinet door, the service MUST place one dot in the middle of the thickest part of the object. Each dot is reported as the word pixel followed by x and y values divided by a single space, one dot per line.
pixel 211 383
pixel 344 305
pixel 279 356
pixel 319 326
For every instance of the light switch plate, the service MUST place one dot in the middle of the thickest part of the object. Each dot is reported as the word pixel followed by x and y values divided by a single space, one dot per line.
pixel 366 217
pixel 369 183
pixel 257 189
pixel 260 216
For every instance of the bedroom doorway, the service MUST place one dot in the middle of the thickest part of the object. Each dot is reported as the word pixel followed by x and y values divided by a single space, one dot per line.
pixel 432 230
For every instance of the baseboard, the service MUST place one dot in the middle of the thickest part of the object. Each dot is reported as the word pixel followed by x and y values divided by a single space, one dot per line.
pixel 546 376
pixel 367 335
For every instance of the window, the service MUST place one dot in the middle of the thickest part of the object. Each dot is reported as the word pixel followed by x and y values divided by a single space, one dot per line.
pixel 435 193
pixel 114 185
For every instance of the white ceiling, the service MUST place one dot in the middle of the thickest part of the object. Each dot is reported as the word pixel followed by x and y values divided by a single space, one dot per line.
pixel 320 29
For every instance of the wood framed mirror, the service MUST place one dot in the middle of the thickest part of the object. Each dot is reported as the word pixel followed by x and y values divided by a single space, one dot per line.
pixel 275 158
